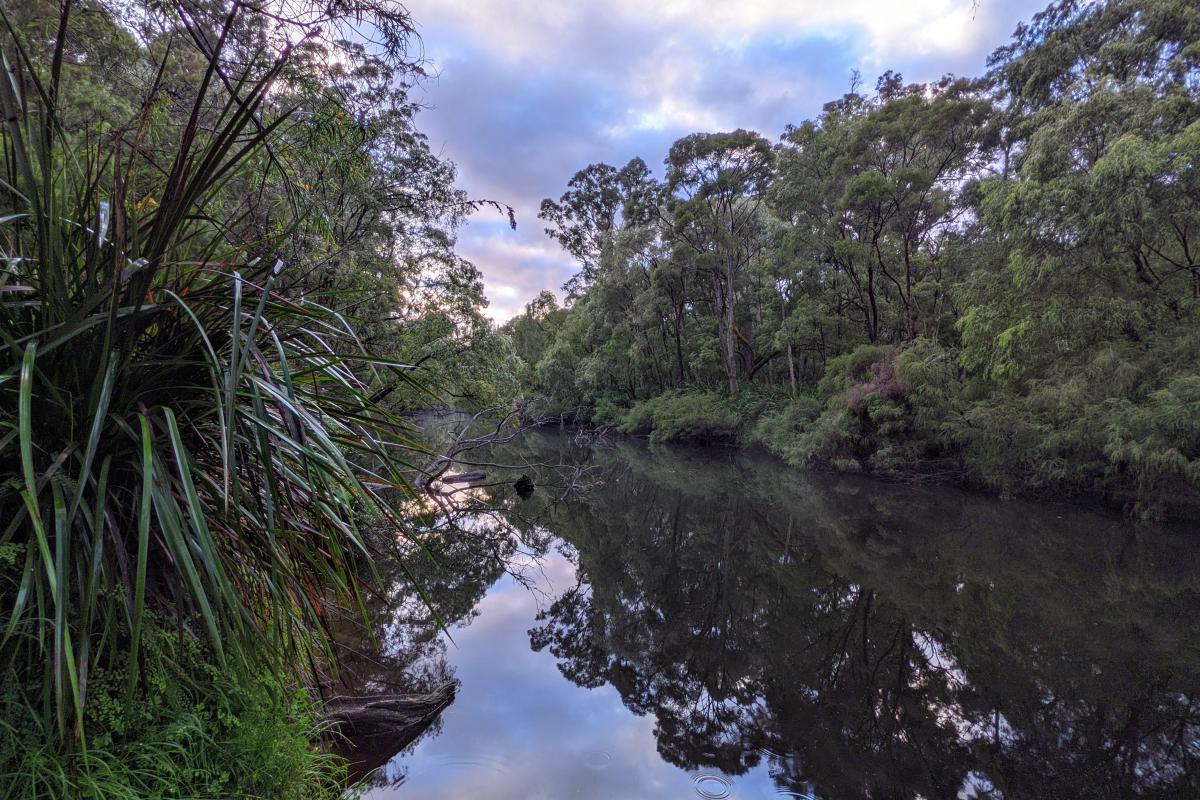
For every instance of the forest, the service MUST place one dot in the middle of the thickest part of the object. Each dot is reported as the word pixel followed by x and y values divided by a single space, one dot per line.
pixel 229 279
pixel 992 281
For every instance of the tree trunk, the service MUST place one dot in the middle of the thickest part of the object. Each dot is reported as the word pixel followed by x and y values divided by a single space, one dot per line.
pixel 873 314
pixel 370 730
pixel 731 359
pixel 791 368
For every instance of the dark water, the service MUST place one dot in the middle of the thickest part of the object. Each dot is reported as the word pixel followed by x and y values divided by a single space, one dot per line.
pixel 702 625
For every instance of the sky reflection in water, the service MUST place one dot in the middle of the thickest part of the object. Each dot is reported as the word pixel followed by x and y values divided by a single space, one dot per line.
pixel 519 729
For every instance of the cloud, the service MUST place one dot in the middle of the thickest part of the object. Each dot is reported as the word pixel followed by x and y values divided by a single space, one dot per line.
pixel 586 34
pixel 528 92
pixel 515 268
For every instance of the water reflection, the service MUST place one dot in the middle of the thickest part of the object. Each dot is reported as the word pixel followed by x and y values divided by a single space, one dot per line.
pixel 769 632
pixel 405 651
pixel 871 641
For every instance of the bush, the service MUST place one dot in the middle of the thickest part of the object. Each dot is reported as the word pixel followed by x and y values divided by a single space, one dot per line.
pixel 187 729
pixel 1159 441
pixel 684 416
pixel 845 371
pixel 607 412
pixel 779 429
pixel 695 417
pixel 639 420
pixel 878 408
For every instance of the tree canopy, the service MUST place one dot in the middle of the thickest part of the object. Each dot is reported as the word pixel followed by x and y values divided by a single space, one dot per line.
pixel 994 280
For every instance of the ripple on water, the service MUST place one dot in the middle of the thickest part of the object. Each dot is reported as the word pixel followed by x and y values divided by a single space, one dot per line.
pixel 712 787
pixel 599 759
pixel 466 761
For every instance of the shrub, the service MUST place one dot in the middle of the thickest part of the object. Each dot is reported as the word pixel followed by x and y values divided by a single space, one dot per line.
pixel 845 371
pixel 639 419
pixel 1157 442
pixel 684 416
pixel 885 409
pixel 189 729
pixel 607 412
pixel 780 429
pixel 695 416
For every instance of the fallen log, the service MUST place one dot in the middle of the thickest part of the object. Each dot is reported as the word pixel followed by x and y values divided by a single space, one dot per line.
pixel 464 477
pixel 368 731
pixel 450 483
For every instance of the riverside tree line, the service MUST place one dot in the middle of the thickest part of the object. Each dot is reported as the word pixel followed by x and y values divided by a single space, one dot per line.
pixel 992 280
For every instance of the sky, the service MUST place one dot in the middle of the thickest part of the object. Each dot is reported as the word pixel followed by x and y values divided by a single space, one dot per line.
pixel 524 93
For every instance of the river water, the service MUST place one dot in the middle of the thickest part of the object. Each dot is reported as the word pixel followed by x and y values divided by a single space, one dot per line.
pixel 700 624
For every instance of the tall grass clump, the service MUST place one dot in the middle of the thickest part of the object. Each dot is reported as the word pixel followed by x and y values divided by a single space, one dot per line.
pixel 186 434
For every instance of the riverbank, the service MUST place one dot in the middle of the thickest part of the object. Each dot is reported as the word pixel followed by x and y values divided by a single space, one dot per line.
pixel 897 419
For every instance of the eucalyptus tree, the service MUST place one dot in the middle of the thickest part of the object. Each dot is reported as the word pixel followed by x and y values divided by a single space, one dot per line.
pixel 870 189
pixel 716 183
pixel 1099 203
pixel 585 218
pixel 1088 320
pixel 533 331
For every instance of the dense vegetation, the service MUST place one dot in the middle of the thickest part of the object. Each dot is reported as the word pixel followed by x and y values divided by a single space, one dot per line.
pixel 226 268
pixel 991 280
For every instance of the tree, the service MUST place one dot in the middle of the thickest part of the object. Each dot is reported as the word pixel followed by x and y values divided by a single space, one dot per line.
pixel 716 183
pixel 587 215
pixel 870 191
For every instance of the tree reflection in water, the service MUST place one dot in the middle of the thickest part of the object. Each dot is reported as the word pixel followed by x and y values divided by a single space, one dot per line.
pixel 881 642
pixel 462 552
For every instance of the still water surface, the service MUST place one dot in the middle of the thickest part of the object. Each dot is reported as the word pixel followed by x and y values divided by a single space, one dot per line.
pixel 710 625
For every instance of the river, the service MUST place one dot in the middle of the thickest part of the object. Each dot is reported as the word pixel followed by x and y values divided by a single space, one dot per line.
pixel 711 624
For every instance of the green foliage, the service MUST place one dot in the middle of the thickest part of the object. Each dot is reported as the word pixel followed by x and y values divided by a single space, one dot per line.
pixel 860 419
pixel 851 369
pixel 585 219
pixel 1159 441
pixel 781 429
pixel 218 276
pixel 684 416
pixel 993 280
pixel 190 729
pixel 640 418
pixel 606 412
pixel 176 425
